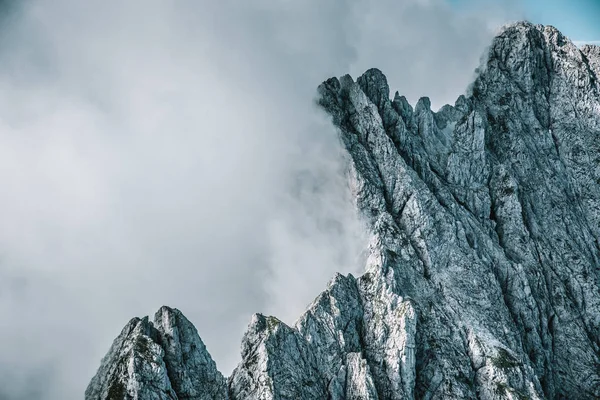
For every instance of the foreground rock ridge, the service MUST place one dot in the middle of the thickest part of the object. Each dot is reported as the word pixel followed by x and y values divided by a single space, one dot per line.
pixel 483 275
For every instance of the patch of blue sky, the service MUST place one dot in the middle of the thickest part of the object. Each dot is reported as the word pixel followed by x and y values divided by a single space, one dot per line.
pixel 577 19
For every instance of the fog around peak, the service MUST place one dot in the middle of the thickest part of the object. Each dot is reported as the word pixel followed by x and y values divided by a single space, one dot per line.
pixel 171 153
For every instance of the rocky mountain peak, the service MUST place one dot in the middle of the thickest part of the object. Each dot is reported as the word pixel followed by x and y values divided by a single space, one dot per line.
pixel 482 280
pixel 164 359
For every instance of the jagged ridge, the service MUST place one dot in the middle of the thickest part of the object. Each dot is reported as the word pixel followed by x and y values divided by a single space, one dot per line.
pixel 482 280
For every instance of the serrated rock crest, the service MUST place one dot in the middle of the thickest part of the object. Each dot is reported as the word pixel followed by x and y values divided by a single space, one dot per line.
pixel 483 275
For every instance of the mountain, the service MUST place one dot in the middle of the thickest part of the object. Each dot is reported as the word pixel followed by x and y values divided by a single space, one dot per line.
pixel 483 275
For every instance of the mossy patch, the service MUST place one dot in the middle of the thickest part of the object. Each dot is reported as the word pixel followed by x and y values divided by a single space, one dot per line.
pixel 272 323
pixel 504 360
pixel 502 389
pixel 143 347
pixel 117 391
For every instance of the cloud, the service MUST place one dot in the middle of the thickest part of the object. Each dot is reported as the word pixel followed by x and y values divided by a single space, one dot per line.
pixel 170 153
pixel 580 43
pixel 427 48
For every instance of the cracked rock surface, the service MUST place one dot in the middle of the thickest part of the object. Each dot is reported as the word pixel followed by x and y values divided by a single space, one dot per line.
pixel 483 275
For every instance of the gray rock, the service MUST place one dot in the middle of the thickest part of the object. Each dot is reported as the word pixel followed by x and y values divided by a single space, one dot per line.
pixel 487 213
pixel 482 280
pixel 277 363
pixel 164 360
pixel 359 383
pixel 133 368
pixel 192 372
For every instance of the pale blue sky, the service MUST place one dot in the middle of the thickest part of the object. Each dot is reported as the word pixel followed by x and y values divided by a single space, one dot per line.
pixel 578 19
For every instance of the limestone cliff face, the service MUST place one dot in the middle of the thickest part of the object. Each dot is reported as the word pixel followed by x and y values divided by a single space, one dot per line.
pixel 484 267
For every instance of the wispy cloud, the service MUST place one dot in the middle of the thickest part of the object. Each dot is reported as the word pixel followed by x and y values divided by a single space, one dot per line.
pixel 580 43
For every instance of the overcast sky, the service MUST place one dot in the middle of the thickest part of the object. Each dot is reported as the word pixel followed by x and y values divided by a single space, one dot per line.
pixel 158 152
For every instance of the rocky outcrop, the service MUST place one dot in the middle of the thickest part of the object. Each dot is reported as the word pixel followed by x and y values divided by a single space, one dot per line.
pixel 134 367
pixel 483 275
pixel 162 360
